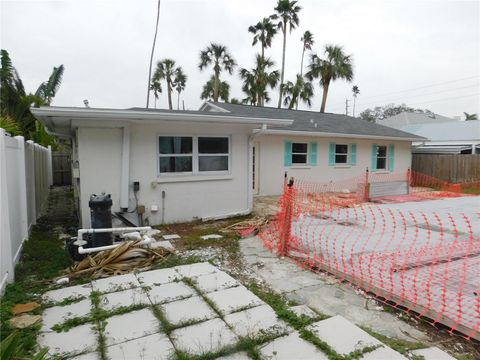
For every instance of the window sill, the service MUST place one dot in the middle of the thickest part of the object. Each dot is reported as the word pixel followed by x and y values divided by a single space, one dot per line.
pixel 192 178
pixel 345 166
pixel 381 172
pixel 300 167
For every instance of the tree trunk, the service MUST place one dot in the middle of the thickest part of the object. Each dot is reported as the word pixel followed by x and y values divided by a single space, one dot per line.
pixel 324 97
pixel 283 63
pixel 301 72
pixel 216 86
pixel 169 90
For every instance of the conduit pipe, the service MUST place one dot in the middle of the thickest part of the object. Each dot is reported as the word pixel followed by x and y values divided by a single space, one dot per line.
pixel 79 242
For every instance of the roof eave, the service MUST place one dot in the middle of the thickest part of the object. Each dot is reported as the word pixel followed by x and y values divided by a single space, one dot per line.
pixel 340 135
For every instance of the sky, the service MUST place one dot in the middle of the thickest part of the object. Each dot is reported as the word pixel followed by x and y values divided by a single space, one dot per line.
pixel 424 53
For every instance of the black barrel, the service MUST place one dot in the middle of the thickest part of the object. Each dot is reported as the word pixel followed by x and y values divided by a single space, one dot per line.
pixel 101 216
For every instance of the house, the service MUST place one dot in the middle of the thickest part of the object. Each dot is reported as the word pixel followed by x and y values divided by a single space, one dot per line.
pixel 320 147
pixel 405 118
pixel 184 165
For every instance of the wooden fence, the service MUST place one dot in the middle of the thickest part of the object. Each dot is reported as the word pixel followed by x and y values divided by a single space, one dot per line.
pixel 458 168
pixel 62 169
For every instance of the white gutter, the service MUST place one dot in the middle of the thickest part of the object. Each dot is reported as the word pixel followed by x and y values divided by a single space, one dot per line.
pixel 125 170
pixel 132 115
pixel 328 134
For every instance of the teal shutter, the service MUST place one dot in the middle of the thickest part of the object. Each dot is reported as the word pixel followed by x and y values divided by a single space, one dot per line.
pixel 313 153
pixel 391 157
pixel 331 155
pixel 288 153
pixel 353 154
pixel 374 157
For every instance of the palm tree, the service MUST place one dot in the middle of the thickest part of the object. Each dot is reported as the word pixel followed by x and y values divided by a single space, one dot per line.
pixel 208 92
pixel 356 92
pixel 335 66
pixel 156 87
pixel 179 83
pixel 49 88
pixel 257 80
pixel 151 56
pixel 263 32
pixel 218 56
pixel 166 71
pixel 287 14
pixel 307 40
pixel 470 116
pixel 301 90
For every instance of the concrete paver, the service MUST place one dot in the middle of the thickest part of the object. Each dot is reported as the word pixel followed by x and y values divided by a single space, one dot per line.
pixel 58 295
pixel 129 297
pixel 304 310
pixel 255 321
pixel 215 281
pixel 88 356
pixel 169 292
pixel 234 299
pixel 291 347
pixel 158 277
pixel 132 325
pixel 115 283
pixel 433 353
pixel 191 309
pixel 151 347
pixel 207 336
pixel 236 356
pixel 59 314
pixel 197 269
pixel 78 339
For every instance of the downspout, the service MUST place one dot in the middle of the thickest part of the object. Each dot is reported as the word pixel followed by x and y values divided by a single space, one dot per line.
pixel 125 170
pixel 252 136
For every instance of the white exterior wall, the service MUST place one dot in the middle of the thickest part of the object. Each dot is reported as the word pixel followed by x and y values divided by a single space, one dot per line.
pixel 187 197
pixel 272 169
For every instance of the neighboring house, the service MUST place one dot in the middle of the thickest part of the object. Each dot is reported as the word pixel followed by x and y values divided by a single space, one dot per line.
pixel 207 164
pixel 454 137
pixel 411 118
pixel 320 147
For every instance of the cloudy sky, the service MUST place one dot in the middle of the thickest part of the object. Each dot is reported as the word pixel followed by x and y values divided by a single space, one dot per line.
pixel 422 53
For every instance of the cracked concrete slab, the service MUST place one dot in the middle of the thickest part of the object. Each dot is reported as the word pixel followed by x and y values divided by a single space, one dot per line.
pixel 291 347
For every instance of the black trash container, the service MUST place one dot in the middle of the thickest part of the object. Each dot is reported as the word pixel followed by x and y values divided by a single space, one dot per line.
pixel 101 216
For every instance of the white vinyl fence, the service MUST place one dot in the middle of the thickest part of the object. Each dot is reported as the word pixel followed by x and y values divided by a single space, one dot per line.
pixel 25 179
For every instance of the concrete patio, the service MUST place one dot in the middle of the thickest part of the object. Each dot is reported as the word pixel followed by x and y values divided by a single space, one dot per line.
pixel 190 310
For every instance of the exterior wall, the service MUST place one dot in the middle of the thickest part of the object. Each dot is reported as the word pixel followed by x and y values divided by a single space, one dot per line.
pixel 187 197
pixel 272 169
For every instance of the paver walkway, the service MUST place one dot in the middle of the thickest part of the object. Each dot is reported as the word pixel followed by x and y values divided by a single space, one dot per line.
pixel 195 309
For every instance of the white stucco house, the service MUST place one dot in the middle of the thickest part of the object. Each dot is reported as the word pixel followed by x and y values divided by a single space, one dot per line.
pixel 209 163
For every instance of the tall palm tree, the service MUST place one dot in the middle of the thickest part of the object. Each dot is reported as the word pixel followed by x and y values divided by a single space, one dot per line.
pixel 218 56
pixel 49 88
pixel 208 91
pixel 151 55
pixel 166 71
pixel 287 16
pixel 263 32
pixel 257 80
pixel 356 92
pixel 470 116
pixel 336 65
pixel 301 90
pixel 307 40
pixel 179 83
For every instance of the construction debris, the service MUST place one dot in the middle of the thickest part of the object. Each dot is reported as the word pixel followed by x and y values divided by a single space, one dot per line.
pixel 162 244
pixel 247 227
pixel 171 237
pixel 23 308
pixel 211 236
pixel 127 257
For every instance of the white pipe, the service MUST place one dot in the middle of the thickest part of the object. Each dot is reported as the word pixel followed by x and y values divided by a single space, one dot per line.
pixel 81 250
pixel 80 242
pixel 125 167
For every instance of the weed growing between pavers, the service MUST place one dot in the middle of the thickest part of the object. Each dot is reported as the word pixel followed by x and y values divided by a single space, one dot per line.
pixel 43 258
pixel 97 315
pixel 193 284
pixel 402 346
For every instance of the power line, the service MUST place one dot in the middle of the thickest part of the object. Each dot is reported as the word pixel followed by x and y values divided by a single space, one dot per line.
pixel 458 97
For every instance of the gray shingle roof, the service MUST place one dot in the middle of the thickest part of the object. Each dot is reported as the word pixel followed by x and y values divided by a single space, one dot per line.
pixel 306 120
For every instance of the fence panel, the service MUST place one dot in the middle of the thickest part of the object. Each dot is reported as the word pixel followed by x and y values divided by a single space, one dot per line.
pixel 458 168
pixel 25 179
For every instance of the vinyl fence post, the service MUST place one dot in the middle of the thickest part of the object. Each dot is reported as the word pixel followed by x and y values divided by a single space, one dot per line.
pixel 287 220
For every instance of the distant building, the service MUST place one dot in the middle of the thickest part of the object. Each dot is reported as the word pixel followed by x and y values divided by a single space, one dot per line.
pixel 411 118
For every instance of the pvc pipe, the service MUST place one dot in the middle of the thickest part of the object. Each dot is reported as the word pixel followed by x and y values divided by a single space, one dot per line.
pixel 81 250
pixel 80 232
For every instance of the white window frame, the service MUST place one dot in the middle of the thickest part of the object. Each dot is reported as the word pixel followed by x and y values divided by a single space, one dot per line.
pixel 386 158
pixel 195 156
pixel 307 160
pixel 348 154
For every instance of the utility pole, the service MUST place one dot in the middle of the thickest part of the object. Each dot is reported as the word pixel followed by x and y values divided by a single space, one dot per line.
pixel 346 107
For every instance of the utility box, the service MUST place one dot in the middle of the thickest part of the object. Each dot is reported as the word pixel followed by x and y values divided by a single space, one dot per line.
pixel 101 216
